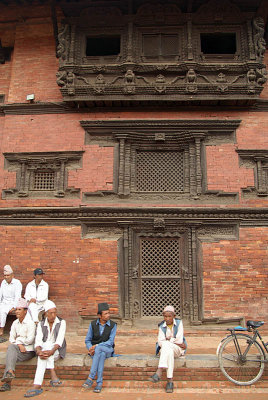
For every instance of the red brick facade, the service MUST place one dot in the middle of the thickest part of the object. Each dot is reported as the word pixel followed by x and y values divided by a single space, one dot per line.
pixel 83 271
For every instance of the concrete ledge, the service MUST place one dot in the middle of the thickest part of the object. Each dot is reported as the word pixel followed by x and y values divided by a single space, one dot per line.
pixel 133 360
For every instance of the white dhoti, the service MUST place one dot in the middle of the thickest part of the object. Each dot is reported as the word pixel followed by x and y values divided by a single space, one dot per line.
pixel 4 310
pixel 34 309
pixel 168 352
pixel 42 365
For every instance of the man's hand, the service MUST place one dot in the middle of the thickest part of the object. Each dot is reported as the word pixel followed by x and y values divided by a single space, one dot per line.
pixel 32 301
pixel 91 351
pixel 22 348
pixel 45 354
pixel 182 346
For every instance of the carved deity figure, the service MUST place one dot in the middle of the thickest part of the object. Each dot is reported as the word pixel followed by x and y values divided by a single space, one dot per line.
pixel 99 86
pixel 259 41
pixel 129 82
pixel 191 78
pixel 160 84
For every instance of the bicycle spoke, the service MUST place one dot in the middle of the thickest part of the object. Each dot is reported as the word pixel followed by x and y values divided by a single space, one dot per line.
pixel 244 368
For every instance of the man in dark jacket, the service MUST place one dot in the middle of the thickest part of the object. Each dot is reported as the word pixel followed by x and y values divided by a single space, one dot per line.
pixel 100 344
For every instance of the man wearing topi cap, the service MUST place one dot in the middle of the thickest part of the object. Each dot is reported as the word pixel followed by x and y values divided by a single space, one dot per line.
pixel 100 344
pixel 10 292
pixel 172 344
pixel 36 293
pixel 50 345
pixel 21 348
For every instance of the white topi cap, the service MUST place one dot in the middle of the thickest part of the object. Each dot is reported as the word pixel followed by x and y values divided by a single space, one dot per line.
pixel 49 304
pixel 8 269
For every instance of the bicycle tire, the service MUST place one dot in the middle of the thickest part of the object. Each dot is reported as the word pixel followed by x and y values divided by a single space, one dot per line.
pixel 241 370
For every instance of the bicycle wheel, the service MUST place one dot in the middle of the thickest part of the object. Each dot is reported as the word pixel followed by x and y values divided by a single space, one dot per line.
pixel 243 369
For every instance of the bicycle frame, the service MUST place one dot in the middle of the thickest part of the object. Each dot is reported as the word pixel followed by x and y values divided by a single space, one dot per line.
pixel 253 339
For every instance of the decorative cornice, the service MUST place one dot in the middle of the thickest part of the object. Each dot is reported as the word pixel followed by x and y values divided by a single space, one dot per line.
pixel 260 105
pixel 108 216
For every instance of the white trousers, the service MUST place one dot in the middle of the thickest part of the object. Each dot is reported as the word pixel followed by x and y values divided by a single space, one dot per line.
pixel 4 310
pixel 168 352
pixel 34 310
pixel 42 365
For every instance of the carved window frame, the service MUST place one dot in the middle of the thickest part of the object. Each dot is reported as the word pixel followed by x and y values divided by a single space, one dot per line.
pixel 81 34
pixel 27 164
pixel 238 56
pixel 258 161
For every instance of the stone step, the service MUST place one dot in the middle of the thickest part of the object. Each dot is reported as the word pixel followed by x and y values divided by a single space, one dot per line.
pixel 132 368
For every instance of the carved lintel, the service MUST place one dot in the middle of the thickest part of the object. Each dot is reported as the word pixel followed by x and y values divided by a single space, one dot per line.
pixel 159 223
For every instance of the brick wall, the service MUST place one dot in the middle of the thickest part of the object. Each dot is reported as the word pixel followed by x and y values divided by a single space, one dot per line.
pixel 235 276
pixel 80 272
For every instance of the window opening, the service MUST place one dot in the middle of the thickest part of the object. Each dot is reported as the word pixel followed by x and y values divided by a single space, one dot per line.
pixel 218 43
pixel 103 46
pixel 160 45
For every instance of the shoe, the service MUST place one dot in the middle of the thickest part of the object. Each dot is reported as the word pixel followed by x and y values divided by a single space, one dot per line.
pixel 55 383
pixel 97 389
pixel 33 392
pixel 8 377
pixel 169 387
pixel 88 383
pixel 5 387
pixel 154 378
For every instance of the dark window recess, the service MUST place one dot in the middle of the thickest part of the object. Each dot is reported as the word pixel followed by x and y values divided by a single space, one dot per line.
pixel 103 46
pixel 218 43
pixel 160 45
pixel 2 98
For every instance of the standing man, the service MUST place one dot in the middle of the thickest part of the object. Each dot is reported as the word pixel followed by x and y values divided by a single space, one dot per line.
pixel 36 294
pixel 100 345
pixel 172 344
pixel 21 348
pixel 10 292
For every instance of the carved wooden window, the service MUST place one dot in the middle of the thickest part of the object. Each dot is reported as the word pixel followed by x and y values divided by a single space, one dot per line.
pixel 160 275
pixel 258 161
pixel 160 46
pixel 42 174
pixel 160 171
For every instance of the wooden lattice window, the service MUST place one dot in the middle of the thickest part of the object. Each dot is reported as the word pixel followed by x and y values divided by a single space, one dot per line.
pixel 160 275
pixel 160 171
pixel 44 180
pixel 160 46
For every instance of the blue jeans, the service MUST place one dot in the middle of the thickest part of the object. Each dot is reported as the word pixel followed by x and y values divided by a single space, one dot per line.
pixel 100 355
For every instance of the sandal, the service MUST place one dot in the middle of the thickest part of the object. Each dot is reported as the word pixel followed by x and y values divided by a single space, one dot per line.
pixel 87 384
pixel 8 377
pixel 5 387
pixel 97 389
pixel 55 383
pixel 169 387
pixel 33 392
pixel 154 378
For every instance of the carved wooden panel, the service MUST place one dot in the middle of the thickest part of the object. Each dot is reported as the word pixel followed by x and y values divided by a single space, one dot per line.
pixel 154 44
pixel 42 174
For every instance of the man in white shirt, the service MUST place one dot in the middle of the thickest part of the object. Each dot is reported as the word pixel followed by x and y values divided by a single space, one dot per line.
pixel 50 345
pixel 172 344
pixel 21 348
pixel 10 292
pixel 36 294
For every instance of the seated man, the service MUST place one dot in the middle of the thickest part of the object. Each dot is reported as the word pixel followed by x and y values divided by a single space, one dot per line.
pixel 10 292
pixel 36 294
pixel 100 344
pixel 50 345
pixel 21 348
pixel 172 344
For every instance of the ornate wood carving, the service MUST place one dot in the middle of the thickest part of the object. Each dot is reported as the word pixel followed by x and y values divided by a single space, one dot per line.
pixel 157 41
pixel 42 174
pixel 258 161
pixel 161 160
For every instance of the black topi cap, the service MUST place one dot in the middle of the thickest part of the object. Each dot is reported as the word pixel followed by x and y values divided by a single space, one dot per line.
pixel 38 271
pixel 102 307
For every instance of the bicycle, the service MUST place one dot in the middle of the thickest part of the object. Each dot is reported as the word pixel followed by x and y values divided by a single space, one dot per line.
pixel 241 357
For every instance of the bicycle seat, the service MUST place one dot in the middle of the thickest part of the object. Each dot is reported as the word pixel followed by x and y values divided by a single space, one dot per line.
pixel 254 324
